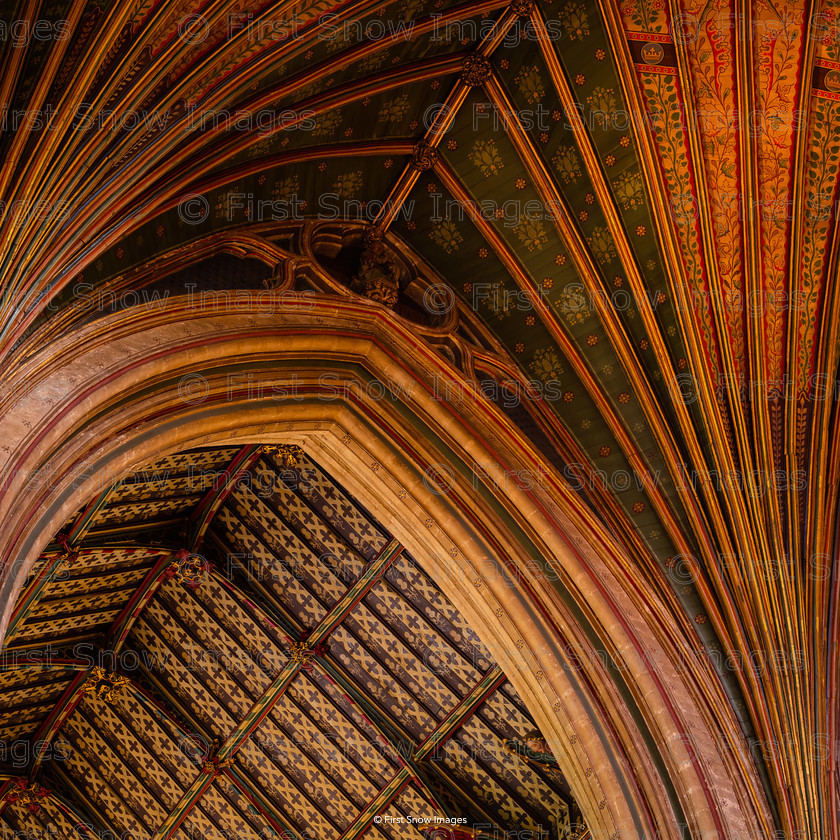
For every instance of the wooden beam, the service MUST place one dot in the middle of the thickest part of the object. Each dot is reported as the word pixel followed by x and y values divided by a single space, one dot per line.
pixel 450 724
pixel 209 506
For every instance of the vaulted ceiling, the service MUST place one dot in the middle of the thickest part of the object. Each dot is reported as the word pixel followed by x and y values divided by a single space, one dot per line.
pixel 226 642
pixel 617 221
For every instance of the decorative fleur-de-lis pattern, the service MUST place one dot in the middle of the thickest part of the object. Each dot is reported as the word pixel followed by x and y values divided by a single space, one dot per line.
pixel 149 767
pixel 358 738
pixel 90 767
pixel 65 587
pixel 337 508
pixel 153 507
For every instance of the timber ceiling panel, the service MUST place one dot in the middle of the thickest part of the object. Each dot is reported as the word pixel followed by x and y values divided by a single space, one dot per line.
pixel 192 701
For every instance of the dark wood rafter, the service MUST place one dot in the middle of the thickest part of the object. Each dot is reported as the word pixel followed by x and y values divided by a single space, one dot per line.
pixel 223 486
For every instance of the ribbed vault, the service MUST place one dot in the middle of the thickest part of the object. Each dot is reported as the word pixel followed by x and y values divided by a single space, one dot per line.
pixel 610 226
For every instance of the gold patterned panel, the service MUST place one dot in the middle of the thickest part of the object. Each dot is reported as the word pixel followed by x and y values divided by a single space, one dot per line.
pixel 64 587
pixel 81 764
pixel 243 661
pixel 292 716
pixel 277 576
pixel 275 772
pixel 160 648
pixel 72 625
pixel 310 525
pixel 333 712
pixel 338 507
pixel 166 780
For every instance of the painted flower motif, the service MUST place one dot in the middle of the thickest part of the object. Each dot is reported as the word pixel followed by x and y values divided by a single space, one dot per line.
pixel 504 64
pixel 394 109
pixel 520 184
pixel 543 137
pixel 604 451
pixel 592 339
pixel 568 396
pixel 286 188
pixel 583 215
pixel 452 145
pixel 600 55
pixel 328 123
pixel 348 184
pixel 641 230
pixel 624 398
pixel 572 304
pixel 548 283
pixel 486 157
pixel 575 20
pixel 445 233
pixel 660 297
pixel 610 160
pixel 482 253
pixel 628 190
pixel 602 105
pixel 529 320
pixel 590 199
pixel 519 347
pixel 560 259
pixel 546 365
pixel 618 282
pixel 644 344
pixel 530 84
pixel 580 79
pixel 638 507
pixel 531 233
pixel 431 187
pixel 602 245
pixel 389 162
pixel 567 164
pixel 625 142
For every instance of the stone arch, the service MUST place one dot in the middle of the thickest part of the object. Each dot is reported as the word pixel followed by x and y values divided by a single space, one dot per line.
pixel 591 651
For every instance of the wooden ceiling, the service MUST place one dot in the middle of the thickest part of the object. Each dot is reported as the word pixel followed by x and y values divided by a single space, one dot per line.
pixel 226 643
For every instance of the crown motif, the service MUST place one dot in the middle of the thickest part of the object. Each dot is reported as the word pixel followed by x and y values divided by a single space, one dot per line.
pixel 832 80
pixel 653 53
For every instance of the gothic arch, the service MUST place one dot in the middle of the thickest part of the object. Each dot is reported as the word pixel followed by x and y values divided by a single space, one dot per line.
pixel 641 741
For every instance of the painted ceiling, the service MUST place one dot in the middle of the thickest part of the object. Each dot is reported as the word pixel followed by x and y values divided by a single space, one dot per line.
pixel 630 208
pixel 225 643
